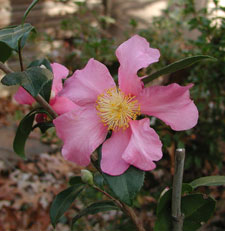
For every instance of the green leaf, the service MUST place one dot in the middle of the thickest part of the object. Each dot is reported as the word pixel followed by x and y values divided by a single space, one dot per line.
pixel 22 133
pixel 46 90
pixel 39 62
pixel 6 52
pixel 33 79
pixel 197 209
pixel 176 66
pixel 126 186
pixel 44 126
pixel 164 222
pixel 29 9
pixel 12 35
pixel 208 181
pixel 63 201
pixel 100 206
pixel 75 180
pixel 98 179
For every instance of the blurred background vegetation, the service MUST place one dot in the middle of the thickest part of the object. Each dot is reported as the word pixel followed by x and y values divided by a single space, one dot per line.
pixel 80 30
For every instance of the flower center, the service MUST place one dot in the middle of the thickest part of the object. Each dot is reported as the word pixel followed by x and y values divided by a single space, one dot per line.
pixel 116 109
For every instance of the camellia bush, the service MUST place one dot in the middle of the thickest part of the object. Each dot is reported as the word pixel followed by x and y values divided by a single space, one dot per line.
pixel 107 124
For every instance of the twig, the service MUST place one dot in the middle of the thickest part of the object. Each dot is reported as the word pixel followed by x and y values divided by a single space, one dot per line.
pixel 177 216
pixel 38 98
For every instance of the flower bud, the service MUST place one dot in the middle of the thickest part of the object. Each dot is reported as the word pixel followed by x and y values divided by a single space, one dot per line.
pixel 87 177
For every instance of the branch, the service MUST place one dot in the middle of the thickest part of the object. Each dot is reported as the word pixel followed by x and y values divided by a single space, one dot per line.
pixel 177 216
pixel 38 98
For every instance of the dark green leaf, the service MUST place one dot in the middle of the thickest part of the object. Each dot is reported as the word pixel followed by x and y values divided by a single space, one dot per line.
pixel 75 180
pixel 23 131
pixel 176 66
pixel 6 52
pixel 46 90
pixel 12 35
pixel 197 209
pixel 164 222
pixel 44 126
pixel 208 181
pixel 33 79
pixel 63 201
pixel 126 186
pixel 100 206
pixel 39 62
pixel 98 180
pixel 29 9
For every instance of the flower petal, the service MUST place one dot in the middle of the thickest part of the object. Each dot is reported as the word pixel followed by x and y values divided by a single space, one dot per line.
pixel 85 85
pixel 112 150
pixel 62 105
pixel 59 72
pixel 133 55
pixel 144 146
pixel 23 97
pixel 82 132
pixel 171 104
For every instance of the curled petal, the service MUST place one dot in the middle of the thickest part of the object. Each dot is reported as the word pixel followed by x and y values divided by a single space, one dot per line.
pixel 82 132
pixel 144 146
pixel 171 104
pixel 112 150
pixel 59 72
pixel 23 97
pixel 85 85
pixel 62 105
pixel 133 55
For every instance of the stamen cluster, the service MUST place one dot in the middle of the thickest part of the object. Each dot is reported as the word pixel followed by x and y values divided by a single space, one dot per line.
pixel 116 109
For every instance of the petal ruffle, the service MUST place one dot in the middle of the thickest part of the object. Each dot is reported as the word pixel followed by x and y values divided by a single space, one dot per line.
pixel 82 132
pixel 85 85
pixel 144 146
pixel 62 105
pixel 133 55
pixel 23 97
pixel 171 104
pixel 59 72
pixel 112 150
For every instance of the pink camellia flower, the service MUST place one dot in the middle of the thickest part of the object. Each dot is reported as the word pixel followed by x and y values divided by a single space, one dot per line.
pixel 103 106
pixel 60 104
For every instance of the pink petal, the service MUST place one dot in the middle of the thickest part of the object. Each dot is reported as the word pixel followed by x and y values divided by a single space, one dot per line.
pixel 171 103
pixel 82 132
pixel 144 146
pixel 85 85
pixel 59 72
pixel 133 55
pixel 62 105
pixel 112 150
pixel 23 97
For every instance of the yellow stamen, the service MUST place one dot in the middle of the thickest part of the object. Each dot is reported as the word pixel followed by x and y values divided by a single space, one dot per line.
pixel 116 109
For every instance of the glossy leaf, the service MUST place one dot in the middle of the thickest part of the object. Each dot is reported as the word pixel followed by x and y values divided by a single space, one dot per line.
pixel 22 133
pixel 33 79
pixel 12 35
pixel 197 209
pixel 63 201
pixel 34 2
pixel 176 66
pixel 39 62
pixel 6 52
pixel 208 181
pixel 100 206
pixel 126 186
